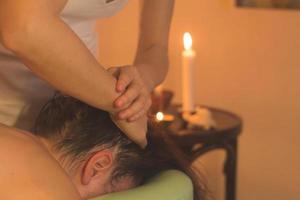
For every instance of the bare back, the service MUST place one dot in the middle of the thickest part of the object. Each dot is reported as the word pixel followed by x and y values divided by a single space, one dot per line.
pixel 28 171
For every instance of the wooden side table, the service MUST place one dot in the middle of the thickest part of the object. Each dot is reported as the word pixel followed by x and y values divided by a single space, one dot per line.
pixel 196 142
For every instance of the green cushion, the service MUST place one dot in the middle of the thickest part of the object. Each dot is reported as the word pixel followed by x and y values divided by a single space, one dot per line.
pixel 167 185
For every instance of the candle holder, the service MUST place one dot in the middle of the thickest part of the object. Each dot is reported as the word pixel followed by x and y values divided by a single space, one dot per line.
pixel 161 120
pixel 201 118
pixel 164 120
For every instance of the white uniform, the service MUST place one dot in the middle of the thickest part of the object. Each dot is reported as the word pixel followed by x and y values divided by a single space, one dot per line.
pixel 21 93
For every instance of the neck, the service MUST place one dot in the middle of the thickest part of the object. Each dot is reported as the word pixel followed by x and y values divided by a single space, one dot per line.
pixel 61 159
pixel 48 145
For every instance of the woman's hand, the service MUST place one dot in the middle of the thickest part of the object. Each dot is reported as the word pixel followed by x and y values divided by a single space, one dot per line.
pixel 133 103
pixel 135 100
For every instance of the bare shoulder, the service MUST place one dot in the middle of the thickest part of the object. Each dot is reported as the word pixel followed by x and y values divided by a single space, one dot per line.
pixel 28 171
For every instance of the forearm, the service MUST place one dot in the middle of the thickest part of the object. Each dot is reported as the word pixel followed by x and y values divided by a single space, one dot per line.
pixel 152 53
pixel 53 52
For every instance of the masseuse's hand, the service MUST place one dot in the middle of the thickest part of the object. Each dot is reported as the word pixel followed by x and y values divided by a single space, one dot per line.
pixel 135 100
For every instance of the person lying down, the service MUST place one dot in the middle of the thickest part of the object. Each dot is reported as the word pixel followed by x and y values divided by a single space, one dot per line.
pixel 75 152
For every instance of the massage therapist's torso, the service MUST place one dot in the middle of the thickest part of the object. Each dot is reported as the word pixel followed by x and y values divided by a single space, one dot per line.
pixel 28 171
pixel 21 93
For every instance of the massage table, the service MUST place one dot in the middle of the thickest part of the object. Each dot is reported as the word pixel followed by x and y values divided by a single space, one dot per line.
pixel 167 185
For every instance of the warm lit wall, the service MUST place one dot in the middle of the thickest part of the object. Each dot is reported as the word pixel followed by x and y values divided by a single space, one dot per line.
pixel 248 62
pixel 118 36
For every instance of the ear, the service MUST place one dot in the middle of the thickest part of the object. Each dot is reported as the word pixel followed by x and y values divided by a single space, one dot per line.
pixel 99 165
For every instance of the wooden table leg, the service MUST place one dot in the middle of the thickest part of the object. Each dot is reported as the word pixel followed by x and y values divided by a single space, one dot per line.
pixel 230 169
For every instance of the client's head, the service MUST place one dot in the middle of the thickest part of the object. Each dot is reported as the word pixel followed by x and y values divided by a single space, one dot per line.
pixel 97 156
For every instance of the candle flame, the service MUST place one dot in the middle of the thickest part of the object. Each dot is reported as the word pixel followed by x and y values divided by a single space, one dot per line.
pixel 160 116
pixel 187 41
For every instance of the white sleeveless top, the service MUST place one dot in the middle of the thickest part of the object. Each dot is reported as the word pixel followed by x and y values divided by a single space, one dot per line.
pixel 21 93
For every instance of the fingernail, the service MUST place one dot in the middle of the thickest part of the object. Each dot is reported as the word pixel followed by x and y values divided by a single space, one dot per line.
pixel 120 88
pixel 119 103
pixel 118 91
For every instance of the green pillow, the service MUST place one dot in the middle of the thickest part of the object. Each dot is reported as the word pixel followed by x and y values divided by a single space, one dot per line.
pixel 167 185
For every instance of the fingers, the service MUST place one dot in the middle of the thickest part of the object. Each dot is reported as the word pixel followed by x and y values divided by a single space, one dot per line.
pixel 128 97
pixel 139 107
pixel 124 80
pixel 123 75
pixel 142 112
pixel 135 98
pixel 137 116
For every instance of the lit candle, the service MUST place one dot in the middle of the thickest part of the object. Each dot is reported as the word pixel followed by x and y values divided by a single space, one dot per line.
pixel 159 89
pixel 157 98
pixel 161 117
pixel 188 57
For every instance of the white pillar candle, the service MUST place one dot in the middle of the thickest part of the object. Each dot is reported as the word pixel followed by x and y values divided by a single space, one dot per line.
pixel 159 89
pixel 188 58
pixel 158 92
